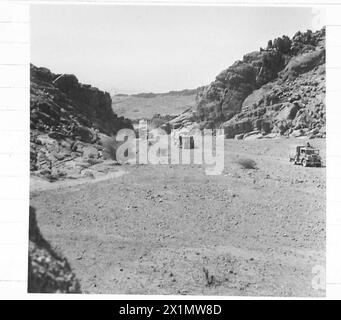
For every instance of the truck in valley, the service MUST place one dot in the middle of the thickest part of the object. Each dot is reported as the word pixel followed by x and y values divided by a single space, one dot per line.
pixel 306 156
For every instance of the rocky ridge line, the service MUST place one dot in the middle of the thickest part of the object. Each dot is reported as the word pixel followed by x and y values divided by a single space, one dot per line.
pixel 69 123
pixel 275 91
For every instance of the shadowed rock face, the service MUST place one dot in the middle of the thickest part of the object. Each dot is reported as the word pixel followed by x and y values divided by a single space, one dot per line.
pixel 67 120
pixel 269 89
pixel 223 98
pixel 48 272
pixel 60 102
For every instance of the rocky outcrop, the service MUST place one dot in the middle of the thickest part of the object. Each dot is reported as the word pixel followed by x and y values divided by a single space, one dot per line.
pixel 60 103
pixel 184 119
pixel 223 98
pixel 48 272
pixel 67 120
pixel 284 106
pixel 278 89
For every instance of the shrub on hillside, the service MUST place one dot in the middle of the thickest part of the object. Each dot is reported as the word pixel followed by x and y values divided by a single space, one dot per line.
pixel 282 44
pixel 110 146
pixel 247 163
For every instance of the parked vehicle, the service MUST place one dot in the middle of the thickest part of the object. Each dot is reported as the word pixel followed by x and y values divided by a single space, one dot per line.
pixel 306 156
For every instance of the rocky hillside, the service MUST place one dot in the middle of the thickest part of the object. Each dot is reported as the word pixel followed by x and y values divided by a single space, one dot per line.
pixel 69 120
pixel 278 90
pixel 61 104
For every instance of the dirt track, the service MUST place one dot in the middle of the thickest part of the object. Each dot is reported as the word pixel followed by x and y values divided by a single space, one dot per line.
pixel 171 229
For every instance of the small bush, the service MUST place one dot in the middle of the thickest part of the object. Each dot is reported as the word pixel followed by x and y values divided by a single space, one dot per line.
pixel 110 146
pixel 92 161
pixel 247 163
pixel 210 279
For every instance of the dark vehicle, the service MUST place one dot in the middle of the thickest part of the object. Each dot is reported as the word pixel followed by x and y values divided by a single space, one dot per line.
pixel 186 142
pixel 306 156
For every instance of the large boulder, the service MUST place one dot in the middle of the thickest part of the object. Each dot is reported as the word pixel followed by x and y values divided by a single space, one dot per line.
pixel 231 129
pixel 66 83
pixel 84 134
pixel 304 63
pixel 184 119
pixel 48 272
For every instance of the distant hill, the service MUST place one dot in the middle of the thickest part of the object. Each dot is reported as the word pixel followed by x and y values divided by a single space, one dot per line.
pixel 146 105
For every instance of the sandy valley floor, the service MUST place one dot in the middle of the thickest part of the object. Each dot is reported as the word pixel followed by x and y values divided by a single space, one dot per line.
pixel 171 229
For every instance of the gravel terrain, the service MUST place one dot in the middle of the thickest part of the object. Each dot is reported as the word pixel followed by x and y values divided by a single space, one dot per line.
pixel 171 229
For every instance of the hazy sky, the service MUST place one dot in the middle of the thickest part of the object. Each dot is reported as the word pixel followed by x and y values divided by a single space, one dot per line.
pixel 155 48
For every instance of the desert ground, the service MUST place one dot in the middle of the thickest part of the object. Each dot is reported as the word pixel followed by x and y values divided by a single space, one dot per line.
pixel 171 229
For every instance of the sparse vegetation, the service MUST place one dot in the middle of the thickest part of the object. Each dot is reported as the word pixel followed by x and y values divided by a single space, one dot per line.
pixel 110 146
pixel 246 163
pixel 215 240
pixel 282 44
pixel 210 279
pixel 175 228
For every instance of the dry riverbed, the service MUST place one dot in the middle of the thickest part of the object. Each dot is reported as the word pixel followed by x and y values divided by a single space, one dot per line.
pixel 171 229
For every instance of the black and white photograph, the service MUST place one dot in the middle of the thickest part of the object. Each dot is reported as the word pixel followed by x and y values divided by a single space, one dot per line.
pixel 177 150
